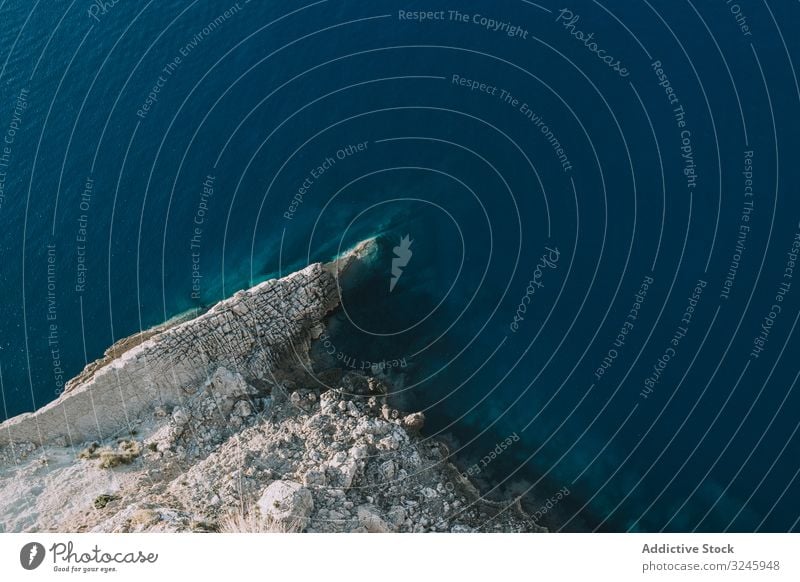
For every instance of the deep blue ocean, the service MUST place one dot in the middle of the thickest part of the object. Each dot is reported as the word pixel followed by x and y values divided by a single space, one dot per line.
pixel 600 201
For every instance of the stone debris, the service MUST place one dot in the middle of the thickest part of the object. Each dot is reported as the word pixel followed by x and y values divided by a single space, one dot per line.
pixel 286 503
pixel 320 468
pixel 226 426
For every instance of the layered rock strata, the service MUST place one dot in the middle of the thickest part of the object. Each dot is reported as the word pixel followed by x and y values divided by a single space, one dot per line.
pixel 224 423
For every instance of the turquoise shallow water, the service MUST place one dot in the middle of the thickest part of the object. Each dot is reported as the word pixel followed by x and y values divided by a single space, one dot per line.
pixel 597 204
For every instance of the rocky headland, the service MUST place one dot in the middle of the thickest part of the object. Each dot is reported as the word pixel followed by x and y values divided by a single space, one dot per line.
pixel 226 422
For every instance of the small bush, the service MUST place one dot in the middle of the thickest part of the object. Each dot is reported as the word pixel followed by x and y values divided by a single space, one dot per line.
pixel 89 451
pixel 102 500
pixel 124 454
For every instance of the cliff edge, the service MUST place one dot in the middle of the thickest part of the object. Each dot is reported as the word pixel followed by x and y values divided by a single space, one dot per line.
pixel 223 423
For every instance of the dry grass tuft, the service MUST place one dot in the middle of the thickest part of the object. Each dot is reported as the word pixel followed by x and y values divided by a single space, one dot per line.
pixel 252 522
pixel 124 454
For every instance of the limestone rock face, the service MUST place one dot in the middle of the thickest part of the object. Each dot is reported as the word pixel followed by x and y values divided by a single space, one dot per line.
pixel 215 424
pixel 253 332
pixel 286 503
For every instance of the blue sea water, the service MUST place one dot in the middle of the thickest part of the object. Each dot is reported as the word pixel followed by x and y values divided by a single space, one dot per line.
pixel 601 273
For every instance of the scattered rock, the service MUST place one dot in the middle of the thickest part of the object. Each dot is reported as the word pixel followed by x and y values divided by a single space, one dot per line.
pixel 314 478
pixel 286 503
pixel 237 436
pixel 414 422
pixel 370 518
pixel 180 416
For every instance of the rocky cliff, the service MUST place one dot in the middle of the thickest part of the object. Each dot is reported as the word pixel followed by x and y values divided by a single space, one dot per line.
pixel 224 423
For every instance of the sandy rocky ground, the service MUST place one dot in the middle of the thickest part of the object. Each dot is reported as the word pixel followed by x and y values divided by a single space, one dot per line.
pixel 287 452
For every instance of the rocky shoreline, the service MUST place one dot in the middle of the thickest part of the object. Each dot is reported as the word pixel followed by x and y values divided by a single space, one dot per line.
pixel 225 423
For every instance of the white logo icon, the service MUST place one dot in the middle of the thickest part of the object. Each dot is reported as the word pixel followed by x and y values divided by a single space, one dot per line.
pixel 402 255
